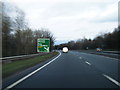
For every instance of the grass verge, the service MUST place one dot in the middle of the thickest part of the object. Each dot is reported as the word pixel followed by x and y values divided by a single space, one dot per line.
pixel 11 68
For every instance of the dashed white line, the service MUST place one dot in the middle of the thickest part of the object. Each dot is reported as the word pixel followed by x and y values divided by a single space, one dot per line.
pixel 87 63
pixel 111 79
pixel 22 79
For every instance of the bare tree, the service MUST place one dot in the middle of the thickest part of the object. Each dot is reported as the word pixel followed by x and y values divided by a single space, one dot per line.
pixel 6 30
pixel 44 33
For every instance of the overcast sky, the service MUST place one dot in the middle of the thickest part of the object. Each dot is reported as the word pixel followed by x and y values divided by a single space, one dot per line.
pixel 71 19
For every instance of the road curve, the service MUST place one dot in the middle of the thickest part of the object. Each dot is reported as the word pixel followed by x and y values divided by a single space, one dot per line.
pixel 75 70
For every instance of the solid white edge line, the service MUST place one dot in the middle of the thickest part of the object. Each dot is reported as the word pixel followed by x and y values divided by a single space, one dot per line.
pixel 110 57
pixel 87 63
pixel 114 81
pixel 102 56
pixel 20 80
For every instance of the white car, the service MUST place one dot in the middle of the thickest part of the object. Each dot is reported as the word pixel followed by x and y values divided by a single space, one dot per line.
pixel 65 49
pixel 98 49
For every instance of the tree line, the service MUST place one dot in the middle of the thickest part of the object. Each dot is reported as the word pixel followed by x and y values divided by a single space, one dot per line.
pixel 107 41
pixel 17 37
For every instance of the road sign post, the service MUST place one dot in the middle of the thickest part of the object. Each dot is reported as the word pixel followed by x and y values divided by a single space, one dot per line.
pixel 43 45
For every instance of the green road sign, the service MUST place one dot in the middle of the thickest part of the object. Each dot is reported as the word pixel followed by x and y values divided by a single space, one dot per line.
pixel 43 45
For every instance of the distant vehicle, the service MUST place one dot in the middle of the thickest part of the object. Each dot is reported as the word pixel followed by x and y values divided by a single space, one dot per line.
pixel 98 49
pixel 65 50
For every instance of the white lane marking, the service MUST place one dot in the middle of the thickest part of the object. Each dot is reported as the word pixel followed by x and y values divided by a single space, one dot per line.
pixel 110 57
pixel 80 57
pixel 114 81
pixel 22 79
pixel 87 63
pixel 102 56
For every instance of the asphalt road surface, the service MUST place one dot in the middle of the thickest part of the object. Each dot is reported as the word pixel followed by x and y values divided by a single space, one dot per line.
pixel 73 70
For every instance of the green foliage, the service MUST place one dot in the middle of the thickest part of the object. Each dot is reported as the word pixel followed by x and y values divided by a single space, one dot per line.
pixel 16 66
pixel 18 38
pixel 108 41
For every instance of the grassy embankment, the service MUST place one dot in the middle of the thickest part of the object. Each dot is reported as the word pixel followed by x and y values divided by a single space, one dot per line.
pixel 16 66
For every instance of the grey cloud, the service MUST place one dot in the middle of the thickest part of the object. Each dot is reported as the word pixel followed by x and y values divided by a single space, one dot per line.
pixel 113 19
pixel 62 18
pixel 73 8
